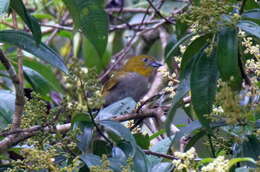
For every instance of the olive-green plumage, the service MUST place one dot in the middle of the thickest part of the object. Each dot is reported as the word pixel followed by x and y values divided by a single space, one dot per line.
pixel 132 80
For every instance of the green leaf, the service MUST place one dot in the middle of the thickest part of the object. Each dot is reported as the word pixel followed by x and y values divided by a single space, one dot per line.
pixel 4 6
pixel 118 159
pixel 234 161
pixel 203 85
pixel 160 147
pixel 251 4
pixel 191 53
pixel 142 140
pixel 30 21
pixel 119 130
pixel 174 49
pixel 181 28
pixel 253 15
pixel 244 169
pixel 156 134
pixel 118 153
pixel 91 18
pixel 162 167
pixel 81 120
pixel 251 148
pixel 116 164
pixel 204 162
pixel 85 139
pixel 92 58
pixel 196 2
pixel 26 42
pixel 140 161
pixel 249 27
pixel 227 57
pixel 101 147
pixel 185 131
pixel 7 105
pixel 37 81
pixel 199 133
pixel 120 107
pixel 91 159
pixel 45 70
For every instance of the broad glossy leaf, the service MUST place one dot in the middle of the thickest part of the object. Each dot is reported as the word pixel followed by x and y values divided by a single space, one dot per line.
pixel 91 56
pixel 91 18
pixel 7 105
pixel 80 117
pixel 203 85
pixel 251 148
pixel 181 28
pixel 119 130
pixel 156 134
pixel 251 4
pixel 227 57
pixel 142 140
pixel 4 5
pixel 85 139
pixel 101 147
pixel 25 41
pixel 196 137
pixel 169 6
pixel 116 165
pixel 249 27
pixel 160 147
pixel 45 70
pixel 162 167
pixel 127 148
pixel 120 107
pixel 91 159
pixel 191 53
pixel 196 2
pixel 118 159
pixel 175 48
pixel 119 154
pixel 140 161
pixel 244 169
pixel 30 21
pixel 37 81
pixel 234 161
pixel 185 131
pixel 253 15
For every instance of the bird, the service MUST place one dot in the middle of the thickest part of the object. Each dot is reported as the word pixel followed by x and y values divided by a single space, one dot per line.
pixel 132 80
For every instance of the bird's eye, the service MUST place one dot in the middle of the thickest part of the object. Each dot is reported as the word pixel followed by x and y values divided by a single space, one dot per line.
pixel 145 59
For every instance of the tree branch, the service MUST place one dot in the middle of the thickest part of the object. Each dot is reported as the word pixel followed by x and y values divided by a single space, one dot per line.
pixel 19 92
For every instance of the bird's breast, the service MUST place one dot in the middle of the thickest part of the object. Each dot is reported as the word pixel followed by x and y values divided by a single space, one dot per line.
pixel 130 85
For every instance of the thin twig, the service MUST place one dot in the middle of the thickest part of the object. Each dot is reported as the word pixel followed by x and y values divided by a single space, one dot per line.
pixel 127 10
pixel 158 12
pixel 148 152
pixel 120 55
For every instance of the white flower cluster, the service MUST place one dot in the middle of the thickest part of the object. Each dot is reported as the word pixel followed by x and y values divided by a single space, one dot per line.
pixel 185 160
pixel 171 79
pixel 217 109
pixel 218 165
pixel 250 48
pixel 182 48
pixel 253 65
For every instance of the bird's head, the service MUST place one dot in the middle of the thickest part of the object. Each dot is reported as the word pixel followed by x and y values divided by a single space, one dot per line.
pixel 143 65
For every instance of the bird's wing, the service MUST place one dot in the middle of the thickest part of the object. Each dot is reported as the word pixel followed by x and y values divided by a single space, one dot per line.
pixel 112 82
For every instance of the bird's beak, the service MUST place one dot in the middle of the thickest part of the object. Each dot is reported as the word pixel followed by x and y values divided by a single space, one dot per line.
pixel 155 64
